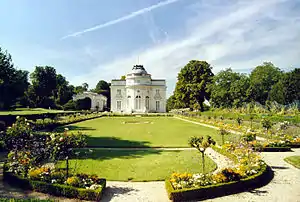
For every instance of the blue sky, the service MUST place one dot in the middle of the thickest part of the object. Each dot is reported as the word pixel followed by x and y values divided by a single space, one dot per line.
pixel 87 41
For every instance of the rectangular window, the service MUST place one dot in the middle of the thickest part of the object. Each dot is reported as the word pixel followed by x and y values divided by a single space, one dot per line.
pixel 157 105
pixel 157 91
pixel 119 105
pixel 119 92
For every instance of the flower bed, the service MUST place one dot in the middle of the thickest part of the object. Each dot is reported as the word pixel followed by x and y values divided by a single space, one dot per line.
pixel 249 172
pixel 24 200
pixel 220 189
pixel 273 146
pixel 51 186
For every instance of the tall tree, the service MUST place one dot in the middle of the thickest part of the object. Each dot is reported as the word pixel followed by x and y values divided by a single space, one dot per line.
pixel 13 82
pixel 191 87
pixel 85 86
pixel 44 83
pixel 171 103
pixel 262 78
pixel 229 89
pixel 103 88
pixel 287 89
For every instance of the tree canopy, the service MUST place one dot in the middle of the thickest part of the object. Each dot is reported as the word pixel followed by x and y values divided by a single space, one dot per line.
pixel 191 87
pixel 13 82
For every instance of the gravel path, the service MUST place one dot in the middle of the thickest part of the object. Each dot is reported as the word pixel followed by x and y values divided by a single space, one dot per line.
pixel 285 187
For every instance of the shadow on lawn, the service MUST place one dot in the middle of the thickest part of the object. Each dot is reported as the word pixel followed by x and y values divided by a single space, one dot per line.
pixel 124 149
pixel 115 142
pixel 72 127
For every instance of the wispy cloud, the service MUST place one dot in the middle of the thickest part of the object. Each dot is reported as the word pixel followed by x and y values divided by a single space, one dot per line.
pixel 247 34
pixel 121 19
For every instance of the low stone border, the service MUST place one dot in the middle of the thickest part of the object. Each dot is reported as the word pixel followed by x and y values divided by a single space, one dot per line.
pixel 212 191
pixel 55 189
pixel 274 149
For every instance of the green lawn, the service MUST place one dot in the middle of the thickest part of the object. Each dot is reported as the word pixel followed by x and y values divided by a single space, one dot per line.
pixel 26 111
pixel 294 160
pixel 145 165
pixel 147 132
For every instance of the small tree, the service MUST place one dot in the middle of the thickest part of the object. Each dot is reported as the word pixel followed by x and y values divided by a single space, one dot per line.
pixel 251 120
pixel 201 145
pixel 239 121
pixel 267 124
pixel 223 132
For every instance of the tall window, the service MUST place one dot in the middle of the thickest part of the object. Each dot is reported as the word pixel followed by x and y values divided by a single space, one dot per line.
pixel 128 101
pixel 157 91
pixel 138 102
pixel 157 105
pixel 118 91
pixel 147 103
pixel 119 105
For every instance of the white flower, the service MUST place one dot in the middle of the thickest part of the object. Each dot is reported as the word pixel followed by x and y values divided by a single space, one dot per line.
pixel 26 120
pixel 66 129
pixel 61 139
pixel 27 124
pixel 18 117
pixel 58 148
pixel 53 181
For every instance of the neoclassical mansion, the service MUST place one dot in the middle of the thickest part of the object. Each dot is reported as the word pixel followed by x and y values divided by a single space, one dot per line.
pixel 138 93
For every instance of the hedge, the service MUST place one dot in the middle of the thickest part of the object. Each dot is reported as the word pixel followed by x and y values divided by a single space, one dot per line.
pixel 24 200
pixel 294 145
pixel 212 191
pixel 274 149
pixel 55 189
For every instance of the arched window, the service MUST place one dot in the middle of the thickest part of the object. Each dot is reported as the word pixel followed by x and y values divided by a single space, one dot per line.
pixel 128 100
pixel 138 102
pixel 157 105
pixel 147 103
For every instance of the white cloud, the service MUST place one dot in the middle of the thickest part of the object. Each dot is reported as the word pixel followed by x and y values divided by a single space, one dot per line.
pixel 243 31
pixel 121 19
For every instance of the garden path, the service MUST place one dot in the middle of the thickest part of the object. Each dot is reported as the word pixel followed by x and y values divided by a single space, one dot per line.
pixel 214 127
pixel 285 185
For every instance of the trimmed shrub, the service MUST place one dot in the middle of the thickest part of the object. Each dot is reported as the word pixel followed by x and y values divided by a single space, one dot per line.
pixel 56 189
pixel 212 191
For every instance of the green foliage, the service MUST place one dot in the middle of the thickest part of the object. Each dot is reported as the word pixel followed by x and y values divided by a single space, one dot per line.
pixel 171 101
pixel 249 136
pixel 70 105
pixel 83 104
pixel 191 87
pixel 57 189
pixel 228 89
pixel 13 82
pixel 266 123
pixel 262 78
pixel 223 132
pixel 239 120
pixel 24 200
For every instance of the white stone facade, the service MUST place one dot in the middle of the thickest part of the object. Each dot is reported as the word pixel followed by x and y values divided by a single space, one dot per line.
pixel 98 101
pixel 138 93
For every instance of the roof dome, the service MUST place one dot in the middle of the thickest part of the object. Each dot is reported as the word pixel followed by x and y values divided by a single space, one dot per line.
pixel 138 69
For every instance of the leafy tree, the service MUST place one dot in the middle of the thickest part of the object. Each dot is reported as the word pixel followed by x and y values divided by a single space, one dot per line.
pixel 287 89
pixel 228 89
pixel 200 144
pixel 79 89
pixel 123 77
pixel 83 104
pixel 44 83
pixel 102 87
pixel 171 103
pixel 63 91
pixel 262 78
pixel 191 87
pixel 266 123
pixel 85 86
pixel 13 82
pixel 223 132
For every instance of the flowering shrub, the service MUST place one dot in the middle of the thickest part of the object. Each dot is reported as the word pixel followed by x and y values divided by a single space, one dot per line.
pixel 249 163
pixel 58 176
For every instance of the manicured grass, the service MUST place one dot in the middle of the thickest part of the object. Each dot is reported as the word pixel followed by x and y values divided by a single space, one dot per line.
pixel 294 160
pixel 142 165
pixel 26 111
pixel 146 132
